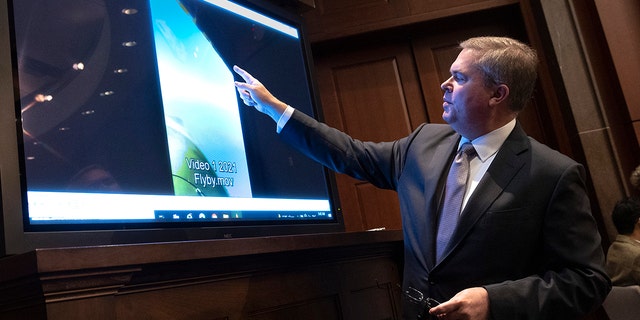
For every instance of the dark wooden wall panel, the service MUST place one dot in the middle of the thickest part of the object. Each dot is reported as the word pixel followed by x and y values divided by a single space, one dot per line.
pixel 425 6
pixel 326 276
pixel 373 93
pixel 333 19
pixel 378 208
pixel 377 115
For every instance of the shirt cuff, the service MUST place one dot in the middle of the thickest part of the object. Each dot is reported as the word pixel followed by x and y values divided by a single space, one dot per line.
pixel 284 118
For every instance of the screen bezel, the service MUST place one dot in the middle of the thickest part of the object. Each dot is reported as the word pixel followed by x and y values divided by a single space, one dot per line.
pixel 15 239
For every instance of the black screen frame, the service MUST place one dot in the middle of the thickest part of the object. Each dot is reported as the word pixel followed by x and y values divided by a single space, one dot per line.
pixel 16 237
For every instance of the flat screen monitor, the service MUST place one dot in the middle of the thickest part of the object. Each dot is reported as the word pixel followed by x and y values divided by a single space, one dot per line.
pixel 121 124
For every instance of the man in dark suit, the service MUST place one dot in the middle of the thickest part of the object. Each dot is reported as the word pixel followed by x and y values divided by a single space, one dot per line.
pixel 526 245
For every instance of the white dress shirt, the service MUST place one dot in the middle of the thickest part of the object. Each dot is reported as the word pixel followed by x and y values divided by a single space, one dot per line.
pixel 487 147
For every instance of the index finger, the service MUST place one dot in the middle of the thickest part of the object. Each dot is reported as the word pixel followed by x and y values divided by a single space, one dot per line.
pixel 444 308
pixel 245 75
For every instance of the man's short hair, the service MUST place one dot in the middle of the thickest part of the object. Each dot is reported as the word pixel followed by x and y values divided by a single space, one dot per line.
pixel 626 214
pixel 506 61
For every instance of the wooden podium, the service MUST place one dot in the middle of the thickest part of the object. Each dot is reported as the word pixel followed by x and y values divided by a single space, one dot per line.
pixel 323 276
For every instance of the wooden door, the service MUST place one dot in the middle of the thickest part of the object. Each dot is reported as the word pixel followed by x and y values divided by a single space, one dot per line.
pixel 372 93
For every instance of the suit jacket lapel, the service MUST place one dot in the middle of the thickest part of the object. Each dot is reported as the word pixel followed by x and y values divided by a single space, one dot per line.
pixel 508 161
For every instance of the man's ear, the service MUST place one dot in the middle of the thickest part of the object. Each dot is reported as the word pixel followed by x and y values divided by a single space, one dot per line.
pixel 500 94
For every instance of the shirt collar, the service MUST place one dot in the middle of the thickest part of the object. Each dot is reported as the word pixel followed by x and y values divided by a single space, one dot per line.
pixel 487 145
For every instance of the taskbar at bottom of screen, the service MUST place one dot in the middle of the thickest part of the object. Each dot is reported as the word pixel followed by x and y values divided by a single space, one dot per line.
pixel 186 215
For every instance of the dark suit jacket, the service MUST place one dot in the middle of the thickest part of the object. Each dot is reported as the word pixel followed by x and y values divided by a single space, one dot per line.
pixel 526 234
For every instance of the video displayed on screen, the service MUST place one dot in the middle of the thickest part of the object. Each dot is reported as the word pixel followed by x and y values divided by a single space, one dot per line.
pixel 129 114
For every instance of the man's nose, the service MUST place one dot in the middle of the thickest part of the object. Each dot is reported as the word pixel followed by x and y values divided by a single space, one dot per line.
pixel 445 85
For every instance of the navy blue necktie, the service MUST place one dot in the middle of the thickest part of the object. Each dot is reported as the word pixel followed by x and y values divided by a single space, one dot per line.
pixel 454 194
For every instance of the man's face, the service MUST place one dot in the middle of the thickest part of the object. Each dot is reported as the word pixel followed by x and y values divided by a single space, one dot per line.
pixel 466 99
